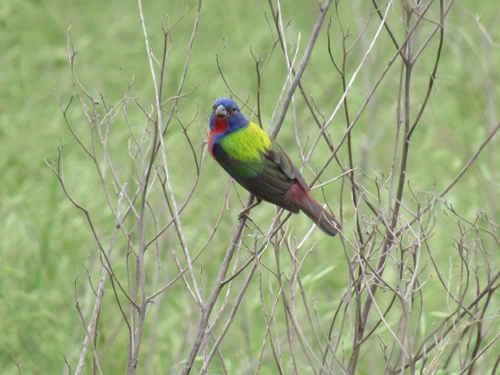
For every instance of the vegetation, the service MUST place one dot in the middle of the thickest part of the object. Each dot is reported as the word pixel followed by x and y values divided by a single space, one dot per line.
pixel 91 192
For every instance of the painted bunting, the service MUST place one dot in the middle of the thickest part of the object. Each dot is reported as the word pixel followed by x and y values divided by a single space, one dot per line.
pixel 261 166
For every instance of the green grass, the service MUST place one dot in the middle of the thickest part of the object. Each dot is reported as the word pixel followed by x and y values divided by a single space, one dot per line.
pixel 45 242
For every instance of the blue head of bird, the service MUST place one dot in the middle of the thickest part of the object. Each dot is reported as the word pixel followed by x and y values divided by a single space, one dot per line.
pixel 226 117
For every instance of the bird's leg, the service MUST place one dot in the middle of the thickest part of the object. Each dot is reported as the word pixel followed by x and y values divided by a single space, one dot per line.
pixel 246 210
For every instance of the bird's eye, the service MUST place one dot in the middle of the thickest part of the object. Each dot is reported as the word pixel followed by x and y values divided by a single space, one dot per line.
pixel 233 109
pixel 213 108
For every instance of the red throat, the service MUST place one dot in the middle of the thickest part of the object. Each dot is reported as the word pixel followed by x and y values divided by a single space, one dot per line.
pixel 221 124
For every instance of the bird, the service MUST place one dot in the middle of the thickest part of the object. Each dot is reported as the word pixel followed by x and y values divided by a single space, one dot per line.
pixel 259 164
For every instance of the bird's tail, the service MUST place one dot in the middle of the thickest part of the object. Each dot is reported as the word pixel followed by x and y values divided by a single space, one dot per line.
pixel 321 217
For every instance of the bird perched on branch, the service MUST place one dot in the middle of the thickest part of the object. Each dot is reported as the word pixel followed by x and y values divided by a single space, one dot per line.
pixel 261 166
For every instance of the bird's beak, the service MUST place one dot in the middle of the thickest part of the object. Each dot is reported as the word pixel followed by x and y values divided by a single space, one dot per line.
pixel 221 111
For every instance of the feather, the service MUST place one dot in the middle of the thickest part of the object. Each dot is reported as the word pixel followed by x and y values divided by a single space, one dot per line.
pixel 322 218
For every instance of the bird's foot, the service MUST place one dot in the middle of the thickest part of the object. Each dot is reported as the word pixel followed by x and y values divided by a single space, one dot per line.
pixel 245 212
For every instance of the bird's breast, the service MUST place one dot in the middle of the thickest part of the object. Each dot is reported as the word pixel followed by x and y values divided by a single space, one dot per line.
pixel 220 126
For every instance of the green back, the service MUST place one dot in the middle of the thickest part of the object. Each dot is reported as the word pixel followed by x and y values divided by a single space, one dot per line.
pixel 246 148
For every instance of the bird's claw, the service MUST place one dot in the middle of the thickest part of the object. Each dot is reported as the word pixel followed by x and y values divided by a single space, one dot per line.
pixel 243 214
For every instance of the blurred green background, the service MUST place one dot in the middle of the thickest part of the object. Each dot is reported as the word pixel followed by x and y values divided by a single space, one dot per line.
pixel 45 242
